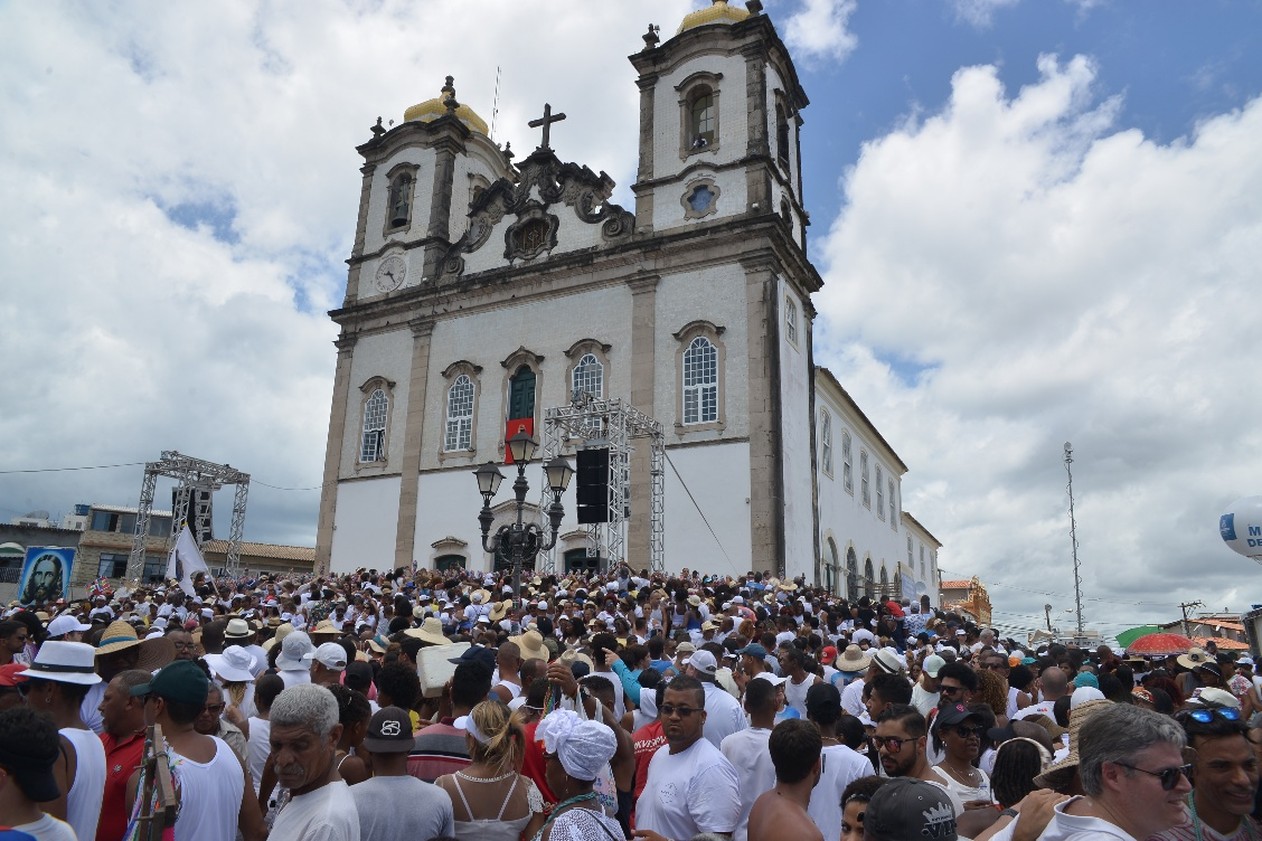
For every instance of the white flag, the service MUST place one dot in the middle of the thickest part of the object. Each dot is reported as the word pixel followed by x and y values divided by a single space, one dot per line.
pixel 185 560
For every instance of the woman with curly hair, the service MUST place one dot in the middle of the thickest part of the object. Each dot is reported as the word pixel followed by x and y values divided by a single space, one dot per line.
pixel 993 692
pixel 491 801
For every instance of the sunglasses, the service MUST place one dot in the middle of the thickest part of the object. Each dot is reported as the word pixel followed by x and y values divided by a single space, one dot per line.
pixel 965 732
pixel 1169 776
pixel 1205 716
pixel 893 744
pixel 669 710
pixel 950 690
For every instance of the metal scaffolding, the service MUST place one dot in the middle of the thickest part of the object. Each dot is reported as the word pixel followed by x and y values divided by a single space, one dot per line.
pixel 196 480
pixel 614 425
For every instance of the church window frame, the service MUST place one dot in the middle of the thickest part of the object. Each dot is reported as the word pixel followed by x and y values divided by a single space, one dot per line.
pixel 589 364
pixel 374 422
pixel 699 113
pixel 700 198
pixel 826 442
pixel 699 373
pixel 513 365
pixel 847 462
pixel 880 493
pixel 453 375
pixel 893 503
pixel 400 192
pixel 782 136
pixel 864 484
pixel 911 559
pixel 791 320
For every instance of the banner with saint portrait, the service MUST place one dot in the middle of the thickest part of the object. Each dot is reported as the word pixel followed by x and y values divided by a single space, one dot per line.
pixel 45 574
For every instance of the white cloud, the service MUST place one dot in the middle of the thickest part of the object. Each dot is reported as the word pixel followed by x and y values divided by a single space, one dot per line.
pixel 818 29
pixel 1058 277
pixel 981 13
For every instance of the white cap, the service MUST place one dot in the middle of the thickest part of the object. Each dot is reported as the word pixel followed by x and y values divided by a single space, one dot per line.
pixel 331 655
pixel 66 624
pixel 770 678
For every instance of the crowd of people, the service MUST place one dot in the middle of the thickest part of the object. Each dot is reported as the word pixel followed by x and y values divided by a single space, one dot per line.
pixel 427 706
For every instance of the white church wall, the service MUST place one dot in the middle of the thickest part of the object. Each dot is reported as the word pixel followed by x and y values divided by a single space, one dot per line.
pixel 364 525
pixel 718 476
pixel 715 294
pixel 795 436
pixel 545 326
pixel 668 212
pixel 387 355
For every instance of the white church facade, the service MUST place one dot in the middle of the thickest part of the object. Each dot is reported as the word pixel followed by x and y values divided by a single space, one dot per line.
pixel 483 291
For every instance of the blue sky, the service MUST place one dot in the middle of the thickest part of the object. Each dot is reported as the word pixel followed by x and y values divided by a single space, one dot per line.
pixel 1037 220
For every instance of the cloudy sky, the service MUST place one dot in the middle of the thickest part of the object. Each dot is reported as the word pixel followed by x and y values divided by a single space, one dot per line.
pixel 1038 221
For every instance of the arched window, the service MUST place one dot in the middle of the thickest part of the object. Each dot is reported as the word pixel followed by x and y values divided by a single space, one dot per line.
pixel 790 320
pixel 589 377
pixel 852 576
pixel 847 464
pixel 400 201
pixel 701 382
pixel 782 137
pixel 702 116
pixel 869 578
pixel 459 432
pixel 826 441
pixel 885 583
pixel 521 394
pixel 372 442
pixel 834 566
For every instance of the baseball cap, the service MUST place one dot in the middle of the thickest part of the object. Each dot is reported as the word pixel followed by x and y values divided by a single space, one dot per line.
pixel 66 624
pixel 182 681
pixel 770 678
pixel 907 809
pixel 932 664
pixel 477 653
pixel 390 731
pixel 953 714
pixel 331 655
pixel 703 661
pixel 828 655
pixel 753 650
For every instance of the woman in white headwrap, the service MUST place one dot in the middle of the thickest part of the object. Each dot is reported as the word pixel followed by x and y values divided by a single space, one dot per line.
pixel 575 751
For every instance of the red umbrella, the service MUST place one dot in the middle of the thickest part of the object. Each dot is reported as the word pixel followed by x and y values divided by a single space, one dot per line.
pixel 1159 645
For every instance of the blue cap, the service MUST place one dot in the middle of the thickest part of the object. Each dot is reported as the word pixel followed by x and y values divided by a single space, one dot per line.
pixel 753 650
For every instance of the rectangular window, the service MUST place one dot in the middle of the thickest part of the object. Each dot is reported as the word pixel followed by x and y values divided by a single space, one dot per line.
pixel 790 320
pixel 847 471
pixel 104 521
pixel 701 382
pixel 111 565
pixel 910 557
pixel 863 479
pixel 459 433
pixel 893 506
pixel 880 493
pixel 826 442
pixel 155 568
pixel 159 526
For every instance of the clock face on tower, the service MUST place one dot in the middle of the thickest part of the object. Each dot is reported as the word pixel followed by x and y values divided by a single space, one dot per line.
pixel 390 273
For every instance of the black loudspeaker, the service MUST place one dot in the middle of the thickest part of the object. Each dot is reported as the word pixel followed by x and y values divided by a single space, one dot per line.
pixel 593 486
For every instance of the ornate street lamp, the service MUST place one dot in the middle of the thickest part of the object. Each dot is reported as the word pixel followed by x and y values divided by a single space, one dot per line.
pixel 521 541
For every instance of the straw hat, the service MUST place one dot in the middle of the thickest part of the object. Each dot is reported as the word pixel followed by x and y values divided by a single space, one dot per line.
pixel 1058 774
pixel 854 659
pixel 325 629
pixel 431 631
pixel 531 646
pixel 283 630
pixel 118 636
pixel 1195 657
pixel 155 652
pixel 238 629
pixel 500 610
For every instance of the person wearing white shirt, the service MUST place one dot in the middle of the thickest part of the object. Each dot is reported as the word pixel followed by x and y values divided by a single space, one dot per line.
pixel 747 749
pixel 724 715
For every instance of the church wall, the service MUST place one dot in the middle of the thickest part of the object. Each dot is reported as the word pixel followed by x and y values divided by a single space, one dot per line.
pixel 715 294
pixel 842 515
pixel 718 476
pixel 733 129
pixel 380 355
pixel 470 171
pixel 546 326
pixel 363 531
pixel 374 238
pixel 730 184
pixel 795 439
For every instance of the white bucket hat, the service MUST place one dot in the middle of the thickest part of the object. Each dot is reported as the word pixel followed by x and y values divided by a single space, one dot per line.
pixel 64 662
pixel 293 648
pixel 233 665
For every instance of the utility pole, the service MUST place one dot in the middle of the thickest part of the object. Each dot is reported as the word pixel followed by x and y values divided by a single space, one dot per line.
pixel 1073 535
pixel 1185 607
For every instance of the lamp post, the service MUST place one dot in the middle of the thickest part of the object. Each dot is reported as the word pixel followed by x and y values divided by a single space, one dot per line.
pixel 521 541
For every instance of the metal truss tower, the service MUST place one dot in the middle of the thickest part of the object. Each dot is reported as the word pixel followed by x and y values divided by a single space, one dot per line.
pixel 615 425
pixel 196 479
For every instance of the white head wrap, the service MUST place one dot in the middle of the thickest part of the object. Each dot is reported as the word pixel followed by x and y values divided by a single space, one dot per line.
pixel 583 747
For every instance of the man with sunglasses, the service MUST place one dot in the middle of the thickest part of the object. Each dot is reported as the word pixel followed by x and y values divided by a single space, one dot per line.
pixel 900 740
pixel 1132 767
pixel 691 787
pixel 1225 777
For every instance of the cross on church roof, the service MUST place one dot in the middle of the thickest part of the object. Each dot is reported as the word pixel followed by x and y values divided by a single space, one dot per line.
pixel 546 121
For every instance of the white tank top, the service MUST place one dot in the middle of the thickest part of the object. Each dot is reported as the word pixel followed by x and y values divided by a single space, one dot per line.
pixel 83 804
pixel 210 795
pixel 795 693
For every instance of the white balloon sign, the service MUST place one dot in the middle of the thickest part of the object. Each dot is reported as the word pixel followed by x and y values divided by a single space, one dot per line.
pixel 1241 527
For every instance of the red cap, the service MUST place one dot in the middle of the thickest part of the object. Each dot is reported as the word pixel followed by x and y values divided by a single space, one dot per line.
pixel 828 655
pixel 9 674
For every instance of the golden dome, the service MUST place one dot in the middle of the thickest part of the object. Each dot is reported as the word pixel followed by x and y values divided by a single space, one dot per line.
pixel 718 12
pixel 432 109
